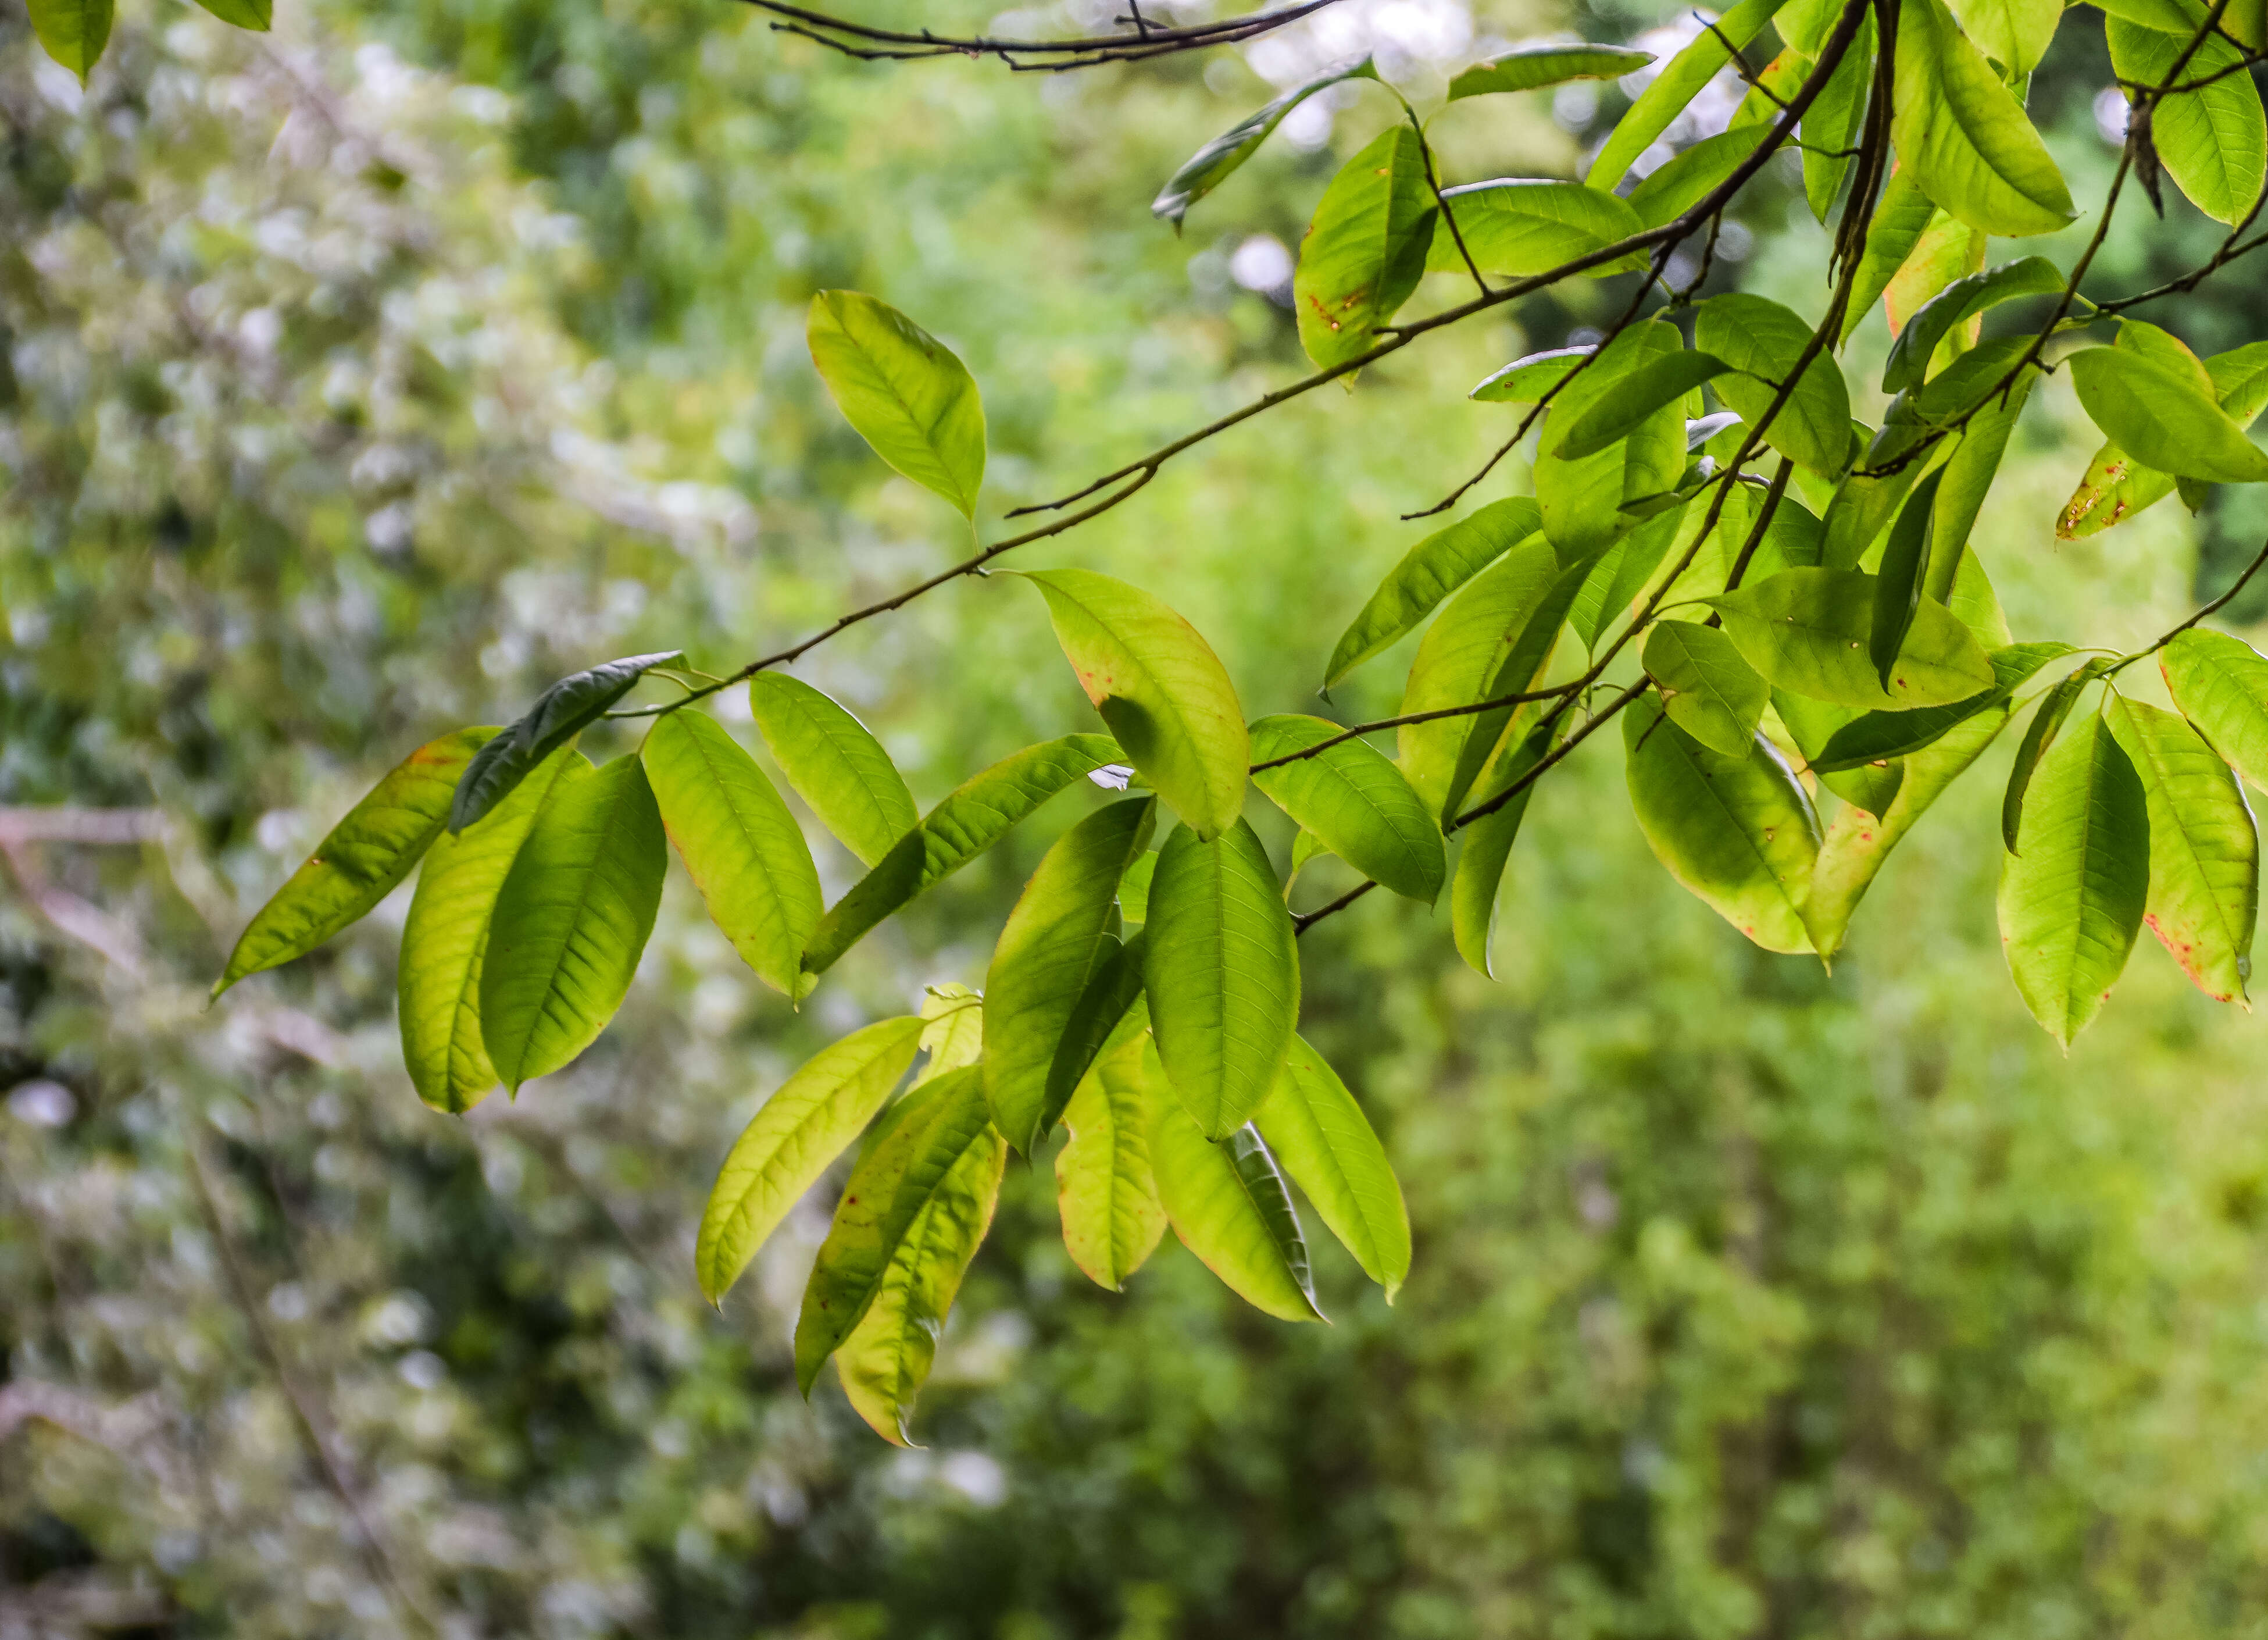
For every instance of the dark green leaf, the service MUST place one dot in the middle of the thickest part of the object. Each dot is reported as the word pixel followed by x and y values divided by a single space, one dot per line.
pixel 559 713
pixel 1898 586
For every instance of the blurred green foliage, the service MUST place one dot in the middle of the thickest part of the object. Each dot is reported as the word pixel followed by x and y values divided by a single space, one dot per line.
pixel 362 379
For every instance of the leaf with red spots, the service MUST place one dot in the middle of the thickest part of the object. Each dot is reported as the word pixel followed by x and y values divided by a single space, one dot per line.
pixel 1366 250
pixel 2205 850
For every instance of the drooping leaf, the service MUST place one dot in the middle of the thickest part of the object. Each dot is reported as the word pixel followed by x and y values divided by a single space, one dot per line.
pixel 1621 574
pixel 252 14
pixel 571 922
pixel 1711 692
pixel 887 1359
pixel 2162 415
pixel 742 848
pixel 1619 411
pixel 1159 687
pixel 1968 476
pixel 1898 585
pixel 2205 849
pixel 1548 62
pixel 559 713
pixel 1528 379
pixel 2220 683
pixel 903 391
pixel 1521 225
pixel 1050 949
pixel 2073 896
pixel 1958 302
pixel 1762 341
pixel 953 1029
pixel 1457 656
pixel 1228 1203
pixel 446 937
pixel 1738 832
pixel 1832 125
pixel 72 31
pixel 1678 184
pixel 1321 1137
pixel 1811 725
pixel 1108 1009
pixel 895 1183
pixel 834 764
pixel 1520 666
pixel 1878 735
pixel 2039 735
pixel 1807 630
pixel 1221 973
pixel 1354 799
pixel 1902 215
pixel 1213 163
pixel 1680 81
pixel 1365 252
pixel 2015 33
pixel 1427 573
pixel 1581 499
pixel 2212 140
pixel 792 1139
pixel 1964 136
pixel 1479 883
pixel 1112 1219
pixel 975 815
pixel 361 860
pixel 1949 250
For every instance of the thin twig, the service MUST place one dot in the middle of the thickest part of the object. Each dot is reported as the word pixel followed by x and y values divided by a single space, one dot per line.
pixel 1149 40
pixel 1471 709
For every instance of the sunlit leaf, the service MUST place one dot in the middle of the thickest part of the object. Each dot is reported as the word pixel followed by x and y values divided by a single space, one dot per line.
pixel 1550 62
pixel 1354 799
pixel 1711 692
pixel 1675 186
pixel 953 1029
pixel 571 922
pixel 1807 630
pixel 2220 683
pixel 1619 411
pixel 446 937
pixel 2039 735
pixel 1213 163
pixel 1222 974
pixel 559 713
pixel 2213 140
pixel 739 844
pixel 1110 1008
pixel 2073 896
pixel 834 764
pixel 1812 725
pixel 1112 1219
pixel 1877 735
pixel 1321 1137
pixel 1964 136
pixel 253 14
pixel 794 1138
pixel 1898 584
pixel 905 392
pixel 1478 885
pixel 1228 1204
pixel 1902 215
pixel 1680 81
pixel 1528 379
pixel 361 860
pixel 1621 574
pixel 1833 124
pixel 1521 225
pixel 1581 499
pixel 1958 302
pixel 72 31
pixel 1427 573
pixel 1365 252
pixel 1762 341
pixel 1159 687
pixel 2161 415
pixel 2015 33
pixel 2205 849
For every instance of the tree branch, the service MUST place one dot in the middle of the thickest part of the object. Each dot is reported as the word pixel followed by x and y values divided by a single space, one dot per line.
pixel 871 44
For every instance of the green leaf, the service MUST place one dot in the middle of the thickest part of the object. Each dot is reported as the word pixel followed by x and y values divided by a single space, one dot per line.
pixel 252 14
pixel 1617 413
pixel 2159 413
pixel 887 1359
pixel 1761 340
pixel 1228 1203
pixel 1807 630
pixel 896 1181
pixel 1213 163
pixel 1682 80
pixel 978 814
pixel 1112 1219
pixel 1365 252
pixel 72 31
pixel 1108 1009
pixel 1898 587
pixel 1521 225
pixel 1968 472
pixel 1134 889
pixel 1427 573
pixel 1460 653
pixel 1949 249
pixel 2220 683
pixel 559 713
pixel 1488 843
pixel 1048 952
pixel 794 1137
pixel 903 391
pixel 1711 692
pixel 1832 126
pixel 1620 575
pixel 1902 215
pixel 2072 898
pixel 1222 974
pixel 1811 724
pixel 2205 850
pixel 1581 499
pixel 1879 735
pixel 571 920
pixel 2015 33
pixel 446 937
pixel 834 764
pixel 1354 799
pixel 1324 1140
pixel 1964 136
pixel 1859 840
pixel 362 860
pixel 1738 832
pixel 2039 735
pixel 1158 686
pixel 1960 301
pixel 2116 486
pixel 1527 380
pixel 952 1033
pixel 1679 183
pixel 742 848
pixel 1533 67
pixel 2213 141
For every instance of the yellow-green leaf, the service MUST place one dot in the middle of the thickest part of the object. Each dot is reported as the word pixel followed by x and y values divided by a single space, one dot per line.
pixel 1429 572
pixel 834 764
pixel 1549 62
pixel 1680 81
pixel 2205 849
pixel 1807 630
pixel 1321 1137
pixel 2220 683
pixel 72 31
pixel 903 390
pixel 1228 1203
pixel 1365 252
pixel 1213 163
pixel 1964 136
pixel 1352 797
pixel 1112 1218
pixel 2213 140
pixel 1711 692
